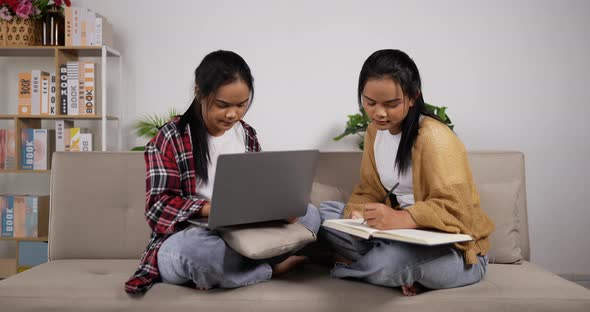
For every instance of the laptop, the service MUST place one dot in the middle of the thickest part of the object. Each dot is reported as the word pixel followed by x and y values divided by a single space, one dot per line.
pixel 259 187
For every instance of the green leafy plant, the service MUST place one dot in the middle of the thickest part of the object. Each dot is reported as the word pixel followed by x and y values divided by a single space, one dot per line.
pixel 357 123
pixel 149 125
pixel 441 113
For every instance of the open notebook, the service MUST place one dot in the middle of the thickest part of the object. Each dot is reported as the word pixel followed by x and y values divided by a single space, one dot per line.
pixel 421 237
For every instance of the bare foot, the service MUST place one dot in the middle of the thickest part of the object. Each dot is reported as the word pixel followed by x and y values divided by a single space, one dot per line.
pixel 411 290
pixel 287 265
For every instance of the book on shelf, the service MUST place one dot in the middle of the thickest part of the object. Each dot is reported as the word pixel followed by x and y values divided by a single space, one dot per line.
pixel 10 160
pixel 34 221
pixel 24 93
pixel 44 103
pixel 86 142
pixel 356 227
pixel 35 94
pixel 27 149
pixel 87 97
pixel 63 89
pixel 40 92
pixel 73 87
pixel 20 217
pixel 7 215
pixel 44 143
pixel 52 95
pixel 76 26
pixel 68 26
pixel 62 130
pixel 75 139
pixel 2 148
pixel 103 34
pixel 7 149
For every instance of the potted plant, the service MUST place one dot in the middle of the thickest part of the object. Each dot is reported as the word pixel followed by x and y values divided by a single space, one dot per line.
pixel 357 123
pixel 149 125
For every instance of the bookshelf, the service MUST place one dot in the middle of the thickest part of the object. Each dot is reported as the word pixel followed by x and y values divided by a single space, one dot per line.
pixel 62 55
pixel 54 56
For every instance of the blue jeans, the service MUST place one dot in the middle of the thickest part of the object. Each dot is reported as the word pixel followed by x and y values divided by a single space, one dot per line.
pixel 200 256
pixel 391 263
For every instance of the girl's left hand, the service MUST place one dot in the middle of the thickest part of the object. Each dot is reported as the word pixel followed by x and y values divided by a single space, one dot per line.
pixel 292 220
pixel 382 217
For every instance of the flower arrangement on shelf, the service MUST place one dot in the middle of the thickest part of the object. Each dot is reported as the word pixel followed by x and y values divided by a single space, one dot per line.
pixel 31 22
pixel 28 9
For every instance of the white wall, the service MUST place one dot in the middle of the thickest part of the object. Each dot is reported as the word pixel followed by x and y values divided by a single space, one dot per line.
pixel 514 75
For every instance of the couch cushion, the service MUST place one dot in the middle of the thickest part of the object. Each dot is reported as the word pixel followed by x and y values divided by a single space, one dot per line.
pixel 500 202
pixel 74 285
pixel 322 192
pixel 97 205
pixel 505 167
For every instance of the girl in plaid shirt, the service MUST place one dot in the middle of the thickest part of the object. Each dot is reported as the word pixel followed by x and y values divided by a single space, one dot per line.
pixel 180 164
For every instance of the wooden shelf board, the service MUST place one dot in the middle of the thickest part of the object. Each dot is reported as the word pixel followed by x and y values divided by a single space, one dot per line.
pixel 53 117
pixel 24 239
pixel 49 51
pixel 24 171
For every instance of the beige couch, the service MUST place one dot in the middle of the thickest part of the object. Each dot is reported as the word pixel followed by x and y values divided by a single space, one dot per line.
pixel 97 234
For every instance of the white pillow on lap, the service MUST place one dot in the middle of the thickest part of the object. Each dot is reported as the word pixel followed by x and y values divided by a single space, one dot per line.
pixel 267 240
pixel 264 241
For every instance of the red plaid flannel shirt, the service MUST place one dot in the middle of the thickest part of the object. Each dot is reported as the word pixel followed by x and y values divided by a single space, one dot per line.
pixel 171 194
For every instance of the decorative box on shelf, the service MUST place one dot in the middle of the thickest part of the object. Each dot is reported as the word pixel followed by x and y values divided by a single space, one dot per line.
pixel 20 32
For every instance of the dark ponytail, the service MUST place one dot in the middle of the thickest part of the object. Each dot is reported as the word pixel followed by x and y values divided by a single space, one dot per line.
pixel 216 69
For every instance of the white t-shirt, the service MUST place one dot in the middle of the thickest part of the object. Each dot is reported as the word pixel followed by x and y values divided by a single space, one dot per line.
pixel 233 141
pixel 386 145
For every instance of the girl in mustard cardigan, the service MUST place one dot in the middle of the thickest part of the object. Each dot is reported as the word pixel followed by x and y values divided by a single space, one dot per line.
pixel 405 144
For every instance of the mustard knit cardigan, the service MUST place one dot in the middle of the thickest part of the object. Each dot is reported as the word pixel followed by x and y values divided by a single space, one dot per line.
pixel 446 198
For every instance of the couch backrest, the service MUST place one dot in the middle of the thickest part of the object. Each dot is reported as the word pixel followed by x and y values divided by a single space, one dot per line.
pixel 97 203
pixel 98 199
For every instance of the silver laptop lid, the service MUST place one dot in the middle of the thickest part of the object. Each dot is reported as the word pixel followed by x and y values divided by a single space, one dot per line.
pixel 264 186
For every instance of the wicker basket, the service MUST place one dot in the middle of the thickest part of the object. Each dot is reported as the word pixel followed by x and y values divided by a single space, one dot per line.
pixel 19 32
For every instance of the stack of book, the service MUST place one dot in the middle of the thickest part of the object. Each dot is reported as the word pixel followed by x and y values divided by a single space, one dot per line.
pixel 37 145
pixel 24 216
pixel 85 27
pixel 71 139
pixel 37 91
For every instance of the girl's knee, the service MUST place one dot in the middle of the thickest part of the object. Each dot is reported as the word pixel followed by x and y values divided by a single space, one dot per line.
pixel 331 210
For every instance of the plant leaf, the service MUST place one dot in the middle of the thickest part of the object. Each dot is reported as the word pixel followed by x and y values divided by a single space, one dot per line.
pixel 149 125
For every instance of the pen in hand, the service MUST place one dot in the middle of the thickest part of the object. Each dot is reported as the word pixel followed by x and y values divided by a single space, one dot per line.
pixel 385 199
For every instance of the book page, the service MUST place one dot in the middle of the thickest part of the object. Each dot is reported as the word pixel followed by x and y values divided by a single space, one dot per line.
pixel 350 226
pixel 422 237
